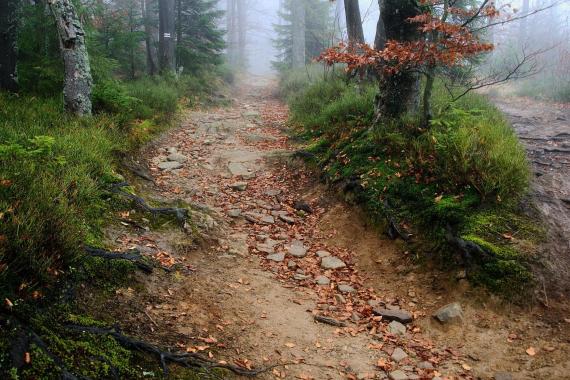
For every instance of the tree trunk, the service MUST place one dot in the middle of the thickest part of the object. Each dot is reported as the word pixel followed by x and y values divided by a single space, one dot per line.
pixel 167 30
pixel 78 82
pixel 353 23
pixel 9 17
pixel 298 16
pixel 399 93
pixel 380 38
pixel 148 40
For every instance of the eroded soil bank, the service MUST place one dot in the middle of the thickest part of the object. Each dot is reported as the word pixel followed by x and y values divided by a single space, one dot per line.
pixel 272 248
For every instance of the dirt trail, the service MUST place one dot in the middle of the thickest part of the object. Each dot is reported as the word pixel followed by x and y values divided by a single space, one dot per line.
pixel 544 128
pixel 248 293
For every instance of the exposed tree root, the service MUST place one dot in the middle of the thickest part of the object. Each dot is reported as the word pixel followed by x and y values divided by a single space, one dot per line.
pixel 133 256
pixel 188 360
pixel 180 214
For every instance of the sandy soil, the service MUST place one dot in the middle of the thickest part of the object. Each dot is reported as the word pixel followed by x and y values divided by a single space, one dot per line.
pixel 233 304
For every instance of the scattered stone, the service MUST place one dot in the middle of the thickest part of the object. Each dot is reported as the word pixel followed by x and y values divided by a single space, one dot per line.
pixel 239 186
pixel 322 280
pixel 398 355
pixel 277 257
pixel 234 213
pixel 322 254
pixel 301 277
pixel 169 165
pixel 302 206
pixel 273 192
pixel 398 375
pixel 452 313
pixel 331 262
pixel 287 219
pixel 425 365
pixel 291 264
pixel 503 376
pixel 343 288
pixel 177 157
pixel 339 298
pixel 397 328
pixel 401 316
pixel 297 249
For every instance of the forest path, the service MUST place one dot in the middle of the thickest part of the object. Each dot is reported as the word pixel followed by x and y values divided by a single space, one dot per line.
pixel 251 295
pixel 544 129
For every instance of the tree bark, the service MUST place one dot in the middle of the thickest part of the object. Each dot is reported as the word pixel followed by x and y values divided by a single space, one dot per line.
pixel 78 82
pixel 399 93
pixel 298 15
pixel 148 40
pixel 9 17
pixel 166 41
pixel 353 23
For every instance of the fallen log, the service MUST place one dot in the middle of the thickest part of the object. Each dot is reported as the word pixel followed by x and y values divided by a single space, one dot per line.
pixel 134 256
pixel 184 359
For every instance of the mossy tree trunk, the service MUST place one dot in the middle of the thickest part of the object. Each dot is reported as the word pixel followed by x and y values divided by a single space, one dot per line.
pixel 399 93
pixel 78 82
pixel 9 17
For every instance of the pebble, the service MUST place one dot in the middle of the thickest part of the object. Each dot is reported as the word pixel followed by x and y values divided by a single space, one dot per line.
pixel 452 313
pixel 398 375
pixel 331 262
pixel 169 165
pixel 397 328
pixel 343 288
pixel 297 249
pixel 239 186
pixel 398 355
pixel 322 254
pixel 322 280
pixel 277 257
pixel 401 316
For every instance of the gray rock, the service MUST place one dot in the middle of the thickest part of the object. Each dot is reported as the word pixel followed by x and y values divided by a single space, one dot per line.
pixel 234 213
pixel 277 257
pixel 322 280
pixel 398 375
pixel 425 365
pixel 177 157
pixel 297 249
pixel 291 264
pixel 503 376
pixel 239 186
pixel 343 288
pixel 398 355
pixel 401 316
pixel 287 219
pixel 331 262
pixel 322 254
pixel 452 313
pixel 397 328
pixel 169 165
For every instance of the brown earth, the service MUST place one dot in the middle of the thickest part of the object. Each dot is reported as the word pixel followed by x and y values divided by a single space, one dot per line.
pixel 229 302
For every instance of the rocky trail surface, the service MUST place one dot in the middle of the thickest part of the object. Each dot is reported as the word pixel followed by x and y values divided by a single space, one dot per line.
pixel 275 272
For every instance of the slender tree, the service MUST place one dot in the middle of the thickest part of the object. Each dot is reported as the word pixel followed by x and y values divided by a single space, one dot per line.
pixel 298 25
pixel 353 22
pixel 78 82
pixel 167 31
pixel 8 44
